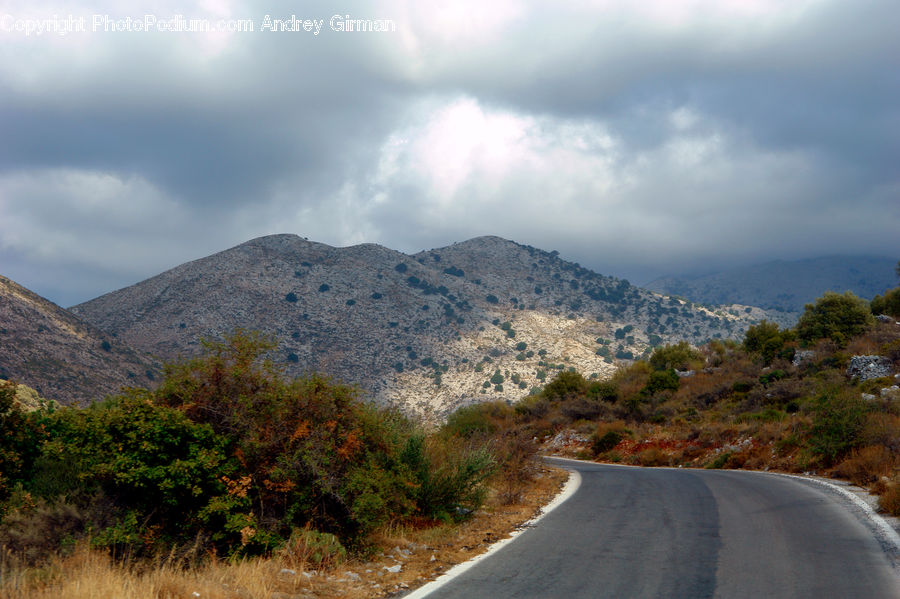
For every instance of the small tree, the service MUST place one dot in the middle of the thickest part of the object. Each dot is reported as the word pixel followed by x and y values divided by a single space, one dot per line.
pixel 766 340
pixel 836 316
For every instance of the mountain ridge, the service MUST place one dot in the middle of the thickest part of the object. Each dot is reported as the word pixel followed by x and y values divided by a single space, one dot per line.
pixel 61 356
pixel 423 330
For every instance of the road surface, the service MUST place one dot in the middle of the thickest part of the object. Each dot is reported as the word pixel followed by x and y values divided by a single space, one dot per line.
pixel 688 534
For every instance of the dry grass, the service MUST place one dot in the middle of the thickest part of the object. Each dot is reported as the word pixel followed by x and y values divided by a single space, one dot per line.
pixel 867 465
pixel 423 552
pixel 890 498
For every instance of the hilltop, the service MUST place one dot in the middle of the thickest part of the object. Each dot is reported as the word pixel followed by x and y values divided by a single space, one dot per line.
pixel 486 318
pixel 62 357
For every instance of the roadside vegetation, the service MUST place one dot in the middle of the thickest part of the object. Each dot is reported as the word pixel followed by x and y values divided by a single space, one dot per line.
pixel 783 399
pixel 230 480
pixel 228 461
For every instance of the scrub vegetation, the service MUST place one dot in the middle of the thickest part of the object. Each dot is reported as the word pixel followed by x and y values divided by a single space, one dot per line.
pixel 782 399
pixel 229 460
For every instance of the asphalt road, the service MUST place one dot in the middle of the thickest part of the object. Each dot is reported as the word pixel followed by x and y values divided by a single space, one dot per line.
pixel 688 534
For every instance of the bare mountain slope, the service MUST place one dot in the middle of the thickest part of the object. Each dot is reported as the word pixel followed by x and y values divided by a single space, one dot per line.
pixel 59 355
pixel 427 331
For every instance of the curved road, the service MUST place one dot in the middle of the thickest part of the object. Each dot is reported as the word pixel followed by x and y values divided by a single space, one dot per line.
pixel 687 534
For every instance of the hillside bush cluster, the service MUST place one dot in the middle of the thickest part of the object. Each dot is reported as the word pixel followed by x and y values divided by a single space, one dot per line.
pixel 226 455
pixel 734 405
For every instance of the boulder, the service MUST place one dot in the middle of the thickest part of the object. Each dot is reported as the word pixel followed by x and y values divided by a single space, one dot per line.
pixel 870 367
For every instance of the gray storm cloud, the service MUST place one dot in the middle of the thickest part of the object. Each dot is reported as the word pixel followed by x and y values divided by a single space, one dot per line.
pixel 635 138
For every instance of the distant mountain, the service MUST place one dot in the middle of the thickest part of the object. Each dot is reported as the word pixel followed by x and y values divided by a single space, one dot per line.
pixel 785 286
pixel 59 355
pixel 427 331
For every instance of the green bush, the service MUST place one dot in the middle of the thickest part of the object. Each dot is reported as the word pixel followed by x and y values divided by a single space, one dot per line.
pixel 679 355
pixel 835 316
pixel 889 303
pixel 229 455
pixel 607 441
pixel 565 384
pixel 20 439
pixel 838 422
pixel 766 340
pixel 470 420
pixel 604 391
pixel 659 381
pixel 449 474
pixel 162 473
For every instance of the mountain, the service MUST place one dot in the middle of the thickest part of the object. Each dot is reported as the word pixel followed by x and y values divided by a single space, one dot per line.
pixel 783 285
pixel 428 331
pixel 59 355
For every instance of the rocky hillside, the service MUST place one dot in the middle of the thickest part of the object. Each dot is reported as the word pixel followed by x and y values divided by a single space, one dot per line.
pixel 785 286
pixel 59 355
pixel 486 318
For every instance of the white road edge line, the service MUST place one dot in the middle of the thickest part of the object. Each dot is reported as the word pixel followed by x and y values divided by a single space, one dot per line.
pixel 568 490
pixel 880 523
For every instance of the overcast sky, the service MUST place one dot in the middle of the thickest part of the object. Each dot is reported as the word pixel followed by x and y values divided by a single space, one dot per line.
pixel 637 138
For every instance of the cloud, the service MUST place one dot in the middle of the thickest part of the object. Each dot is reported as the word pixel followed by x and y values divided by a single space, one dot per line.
pixel 633 137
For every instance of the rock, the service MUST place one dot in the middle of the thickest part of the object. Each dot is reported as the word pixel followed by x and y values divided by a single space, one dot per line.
pixel 393 569
pixel 350 576
pixel 868 397
pixel 884 318
pixel 892 392
pixel 684 373
pixel 288 572
pixel 803 356
pixel 870 367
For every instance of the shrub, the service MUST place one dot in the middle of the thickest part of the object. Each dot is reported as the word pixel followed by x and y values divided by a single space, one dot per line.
pixel 324 287
pixel 603 391
pixel 838 421
pixel 521 346
pixel 307 546
pixel 449 473
pixel 607 436
pixel 20 439
pixel 659 381
pixel 492 299
pixel 144 459
pixel 565 384
pixel 401 268
pixel 766 340
pixel 889 303
pixel 866 465
pixel 679 355
pixel 291 297
pixel 835 316
pixel 890 499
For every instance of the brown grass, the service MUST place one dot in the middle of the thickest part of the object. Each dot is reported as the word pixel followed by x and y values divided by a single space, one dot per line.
pixel 866 465
pixel 890 499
